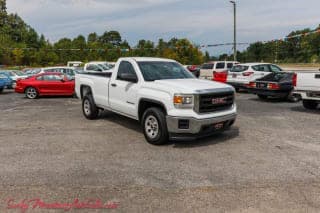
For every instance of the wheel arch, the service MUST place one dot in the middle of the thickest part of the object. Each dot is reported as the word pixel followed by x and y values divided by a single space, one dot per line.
pixel 146 103
pixel 85 90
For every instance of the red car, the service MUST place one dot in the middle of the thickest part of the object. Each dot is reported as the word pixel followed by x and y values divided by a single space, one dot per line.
pixel 46 84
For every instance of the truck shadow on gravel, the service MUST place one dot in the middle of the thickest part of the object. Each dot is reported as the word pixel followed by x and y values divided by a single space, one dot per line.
pixel 135 126
pixel 121 120
pixel 207 141
pixel 303 110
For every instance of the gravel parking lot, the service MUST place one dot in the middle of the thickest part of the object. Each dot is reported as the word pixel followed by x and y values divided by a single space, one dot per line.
pixel 268 162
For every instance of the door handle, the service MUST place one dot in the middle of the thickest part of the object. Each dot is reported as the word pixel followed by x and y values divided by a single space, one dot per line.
pixel 113 85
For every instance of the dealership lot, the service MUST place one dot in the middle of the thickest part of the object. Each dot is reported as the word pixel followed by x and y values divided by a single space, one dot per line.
pixel 269 161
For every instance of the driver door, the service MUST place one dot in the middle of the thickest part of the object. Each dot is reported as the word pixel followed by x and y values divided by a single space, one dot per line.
pixel 123 94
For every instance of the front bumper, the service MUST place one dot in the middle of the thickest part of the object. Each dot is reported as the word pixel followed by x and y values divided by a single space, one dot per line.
pixel 198 127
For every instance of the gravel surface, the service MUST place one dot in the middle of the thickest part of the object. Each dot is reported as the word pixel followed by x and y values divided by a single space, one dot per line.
pixel 268 162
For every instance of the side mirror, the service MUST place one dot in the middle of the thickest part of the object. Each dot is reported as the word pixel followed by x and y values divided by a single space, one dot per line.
pixel 129 77
pixel 62 80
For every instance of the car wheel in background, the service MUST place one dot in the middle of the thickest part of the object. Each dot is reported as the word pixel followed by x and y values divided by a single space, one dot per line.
pixel 1 89
pixel 308 104
pixel 263 97
pixel 155 126
pixel 89 108
pixel 31 93
pixel 294 98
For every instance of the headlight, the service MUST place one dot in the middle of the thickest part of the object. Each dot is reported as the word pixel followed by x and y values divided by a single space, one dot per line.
pixel 183 101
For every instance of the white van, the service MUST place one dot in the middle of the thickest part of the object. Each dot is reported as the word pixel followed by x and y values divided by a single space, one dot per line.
pixel 207 69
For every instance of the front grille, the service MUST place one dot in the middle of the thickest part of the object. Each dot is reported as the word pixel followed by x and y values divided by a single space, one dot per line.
pixel 215 102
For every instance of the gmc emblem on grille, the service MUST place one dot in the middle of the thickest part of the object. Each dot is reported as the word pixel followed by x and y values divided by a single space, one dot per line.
pixel 219 100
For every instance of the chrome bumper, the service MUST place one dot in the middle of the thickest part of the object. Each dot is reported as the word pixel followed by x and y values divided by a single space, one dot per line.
pixel 195 125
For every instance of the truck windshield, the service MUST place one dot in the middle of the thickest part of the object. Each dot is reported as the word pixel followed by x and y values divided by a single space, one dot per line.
pixel 153 71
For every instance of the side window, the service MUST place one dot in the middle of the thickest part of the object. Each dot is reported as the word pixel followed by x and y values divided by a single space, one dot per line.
pixel 264 68
pixel 255 68
pixel 125 68
pixel 220 65
pixel 93 67
pixel 261 68
pixel 275 68
pixel 52 77
pixel 40 78
pixel 229 65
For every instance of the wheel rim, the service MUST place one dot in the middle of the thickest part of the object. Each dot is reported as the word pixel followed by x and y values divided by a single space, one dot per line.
pixel 151 127
pixel 31 93
pixel 86 107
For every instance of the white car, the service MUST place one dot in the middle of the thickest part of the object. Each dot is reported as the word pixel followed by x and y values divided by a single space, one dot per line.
pixel 164 97
pixel 207 70
pixel 307 85
pixel 70 71
pixel 98 66
pixel 242 74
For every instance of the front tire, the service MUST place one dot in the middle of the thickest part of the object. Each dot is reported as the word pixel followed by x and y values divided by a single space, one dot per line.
pixel 155 126
pixel 308 104
pixel 89 108
pixel 31 93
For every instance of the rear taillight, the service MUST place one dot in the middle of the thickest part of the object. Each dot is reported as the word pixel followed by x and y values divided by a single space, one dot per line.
pixel 252 85
pixel 273 86
pixel 247 73
pixel 220 76
pixel 294 79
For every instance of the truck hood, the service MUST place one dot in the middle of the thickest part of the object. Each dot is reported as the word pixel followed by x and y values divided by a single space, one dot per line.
pixel 190 86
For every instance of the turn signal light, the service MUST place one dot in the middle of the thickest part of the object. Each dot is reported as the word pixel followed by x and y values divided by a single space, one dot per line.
pixel 178 100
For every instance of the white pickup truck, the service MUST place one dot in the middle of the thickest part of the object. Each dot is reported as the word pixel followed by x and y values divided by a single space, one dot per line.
pixel 168 101
pixel 307 84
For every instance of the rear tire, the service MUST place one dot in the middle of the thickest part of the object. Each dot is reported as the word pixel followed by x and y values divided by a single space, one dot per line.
pixel 1 89
pixel 155 126
pixel 89 108
pixel 263 97
pixel 308 104
pixel 31 93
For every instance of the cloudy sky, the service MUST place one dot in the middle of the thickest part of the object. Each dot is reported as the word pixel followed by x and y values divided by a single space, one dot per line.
pixel 202 21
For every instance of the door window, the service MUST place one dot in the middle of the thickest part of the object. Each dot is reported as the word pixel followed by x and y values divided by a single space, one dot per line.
pixel 261 68
pixel 125 68
pixel 275 68
pixel 229 65
pixel 220 65
pixel 52 77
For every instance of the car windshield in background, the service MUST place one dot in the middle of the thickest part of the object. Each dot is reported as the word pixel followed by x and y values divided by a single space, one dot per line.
pixel 19 73
pixel 239 68
pixel 3 76
pixel 207 66
pixel 153 71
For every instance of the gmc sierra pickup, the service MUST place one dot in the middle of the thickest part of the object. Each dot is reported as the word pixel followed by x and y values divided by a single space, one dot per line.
pixel 169 102
pixel 307 84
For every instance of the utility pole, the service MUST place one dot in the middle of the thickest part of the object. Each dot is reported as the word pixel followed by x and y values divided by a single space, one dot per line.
pixel 234 29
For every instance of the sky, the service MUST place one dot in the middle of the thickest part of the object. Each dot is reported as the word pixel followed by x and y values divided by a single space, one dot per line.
pixel 201 21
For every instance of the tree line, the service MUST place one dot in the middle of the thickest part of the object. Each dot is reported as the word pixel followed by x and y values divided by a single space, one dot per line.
pixel 291 49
